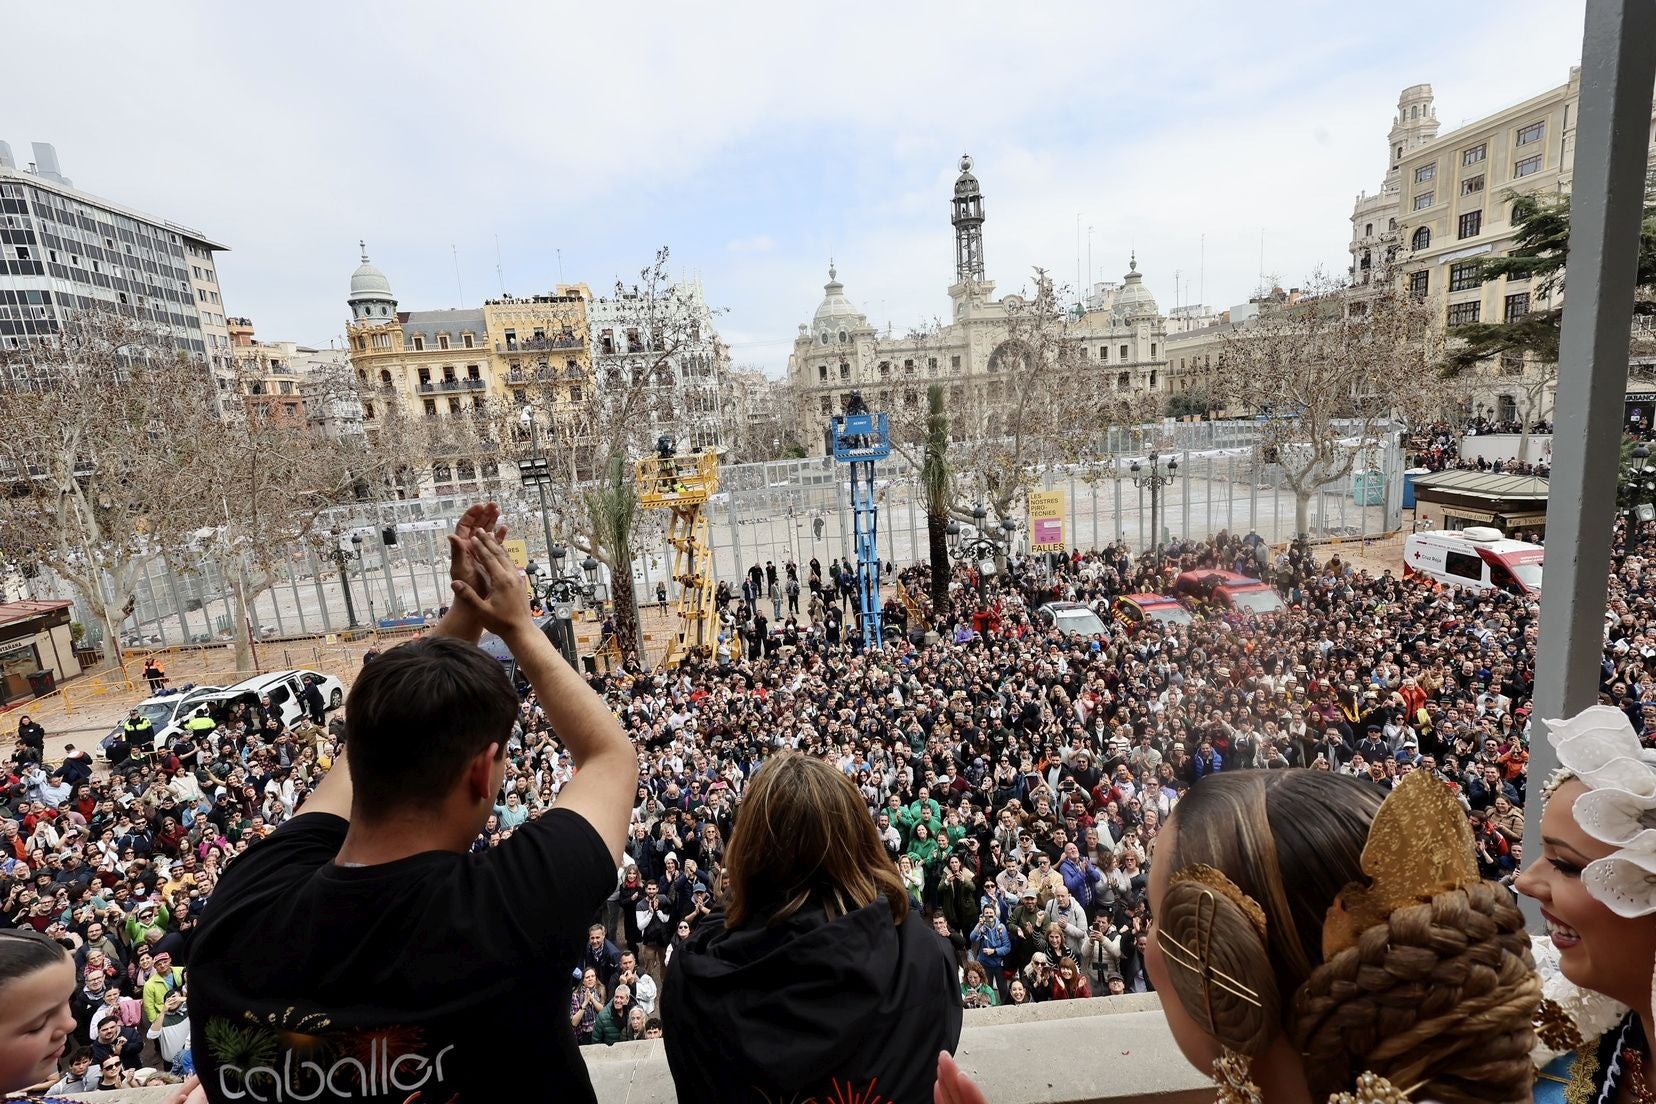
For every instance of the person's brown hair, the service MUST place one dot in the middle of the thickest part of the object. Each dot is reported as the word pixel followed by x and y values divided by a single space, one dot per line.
pixel 416 716
pixel 804 837
pixel 1438 999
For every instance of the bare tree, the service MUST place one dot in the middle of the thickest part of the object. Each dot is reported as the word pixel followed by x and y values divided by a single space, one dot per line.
pixel 93 419
pixel 256 492
pixel 1328 375
pixel 656 372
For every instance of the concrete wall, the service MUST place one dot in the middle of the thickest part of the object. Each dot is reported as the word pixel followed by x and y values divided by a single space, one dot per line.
pixel 1114 1049
pixel 1504 446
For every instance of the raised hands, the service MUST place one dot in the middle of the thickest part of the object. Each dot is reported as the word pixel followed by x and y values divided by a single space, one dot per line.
pixel 481 517
pixel 496 596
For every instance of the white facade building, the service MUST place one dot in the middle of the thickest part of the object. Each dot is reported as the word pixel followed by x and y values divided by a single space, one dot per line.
pixel 627 337
pixel 839 351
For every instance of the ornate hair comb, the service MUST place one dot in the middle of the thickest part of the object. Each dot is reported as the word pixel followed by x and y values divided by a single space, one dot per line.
pixel 1419 844
pixel 1204 924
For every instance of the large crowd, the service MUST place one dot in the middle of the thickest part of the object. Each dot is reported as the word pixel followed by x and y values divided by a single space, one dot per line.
pixel 1017 776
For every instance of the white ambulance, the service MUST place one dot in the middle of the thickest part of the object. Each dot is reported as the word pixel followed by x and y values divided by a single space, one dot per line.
pixel 1478 558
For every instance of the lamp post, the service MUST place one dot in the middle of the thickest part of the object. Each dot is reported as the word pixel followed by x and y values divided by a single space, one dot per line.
pixel 1640 488
pixel 1155 479
pixel 340 558
pixel 978 546
pixel 535 470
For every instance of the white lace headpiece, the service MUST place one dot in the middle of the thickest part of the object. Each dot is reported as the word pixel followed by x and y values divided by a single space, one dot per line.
pixel 1598 746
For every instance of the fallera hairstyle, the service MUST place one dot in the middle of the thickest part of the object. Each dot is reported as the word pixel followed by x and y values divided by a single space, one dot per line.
pixel 22 952
pixel 1438 998
pixel 805 838
pixel 417 715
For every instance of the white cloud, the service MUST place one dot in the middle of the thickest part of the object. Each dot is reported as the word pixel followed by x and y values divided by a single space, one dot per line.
pixel 757 140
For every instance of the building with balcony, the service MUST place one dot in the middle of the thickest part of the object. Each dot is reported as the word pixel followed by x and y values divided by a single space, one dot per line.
pixel 666 343
pixel 64 249
pixel 1444 205
pixel 541 347
pixel 1119 327
pixel 288 383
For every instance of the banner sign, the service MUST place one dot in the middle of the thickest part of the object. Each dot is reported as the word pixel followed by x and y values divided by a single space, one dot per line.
pixel 1046 521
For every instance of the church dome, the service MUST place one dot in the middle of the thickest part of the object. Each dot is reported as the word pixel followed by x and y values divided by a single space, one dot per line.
pixel 369 283
pixel 1134 300
pixel 835 308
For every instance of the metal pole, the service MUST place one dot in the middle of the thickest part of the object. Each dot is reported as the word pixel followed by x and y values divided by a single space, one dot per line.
pixel 1184 498
pixel 1155 516
pixel 540 485
pixel 393 606
pixel 1618 69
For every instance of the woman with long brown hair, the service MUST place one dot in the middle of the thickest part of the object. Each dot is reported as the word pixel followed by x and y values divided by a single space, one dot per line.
pixel 810 980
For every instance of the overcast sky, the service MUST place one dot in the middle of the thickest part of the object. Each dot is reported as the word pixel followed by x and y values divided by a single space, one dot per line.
pixel 753 139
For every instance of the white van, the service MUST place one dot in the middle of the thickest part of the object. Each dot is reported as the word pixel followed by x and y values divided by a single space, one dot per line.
pixel 1479 558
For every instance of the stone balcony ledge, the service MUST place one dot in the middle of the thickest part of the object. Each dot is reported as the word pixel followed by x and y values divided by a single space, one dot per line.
pixel 1108 1049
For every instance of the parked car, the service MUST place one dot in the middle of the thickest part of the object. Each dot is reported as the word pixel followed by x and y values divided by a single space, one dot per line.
pixel 168 712
pixel 285 689
pixel 1479 558
pixel 1072 617
pixel 1228 590
pixel 1134 611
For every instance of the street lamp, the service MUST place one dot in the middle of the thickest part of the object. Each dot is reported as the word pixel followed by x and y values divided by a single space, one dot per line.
pixel 1155 479
pixel 979 546
pixel 341 558
pixel 1640 487
pixel 535 470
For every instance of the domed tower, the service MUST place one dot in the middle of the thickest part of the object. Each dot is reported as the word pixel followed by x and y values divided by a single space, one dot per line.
pixel 1134 300
pixel 968 224
pixel 370 299
pixel 1416 122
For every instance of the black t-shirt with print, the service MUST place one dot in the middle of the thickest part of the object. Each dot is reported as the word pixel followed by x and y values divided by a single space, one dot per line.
pixel 437 979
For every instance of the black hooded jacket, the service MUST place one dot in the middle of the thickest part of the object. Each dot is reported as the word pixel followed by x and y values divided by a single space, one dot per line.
pixel 811 1005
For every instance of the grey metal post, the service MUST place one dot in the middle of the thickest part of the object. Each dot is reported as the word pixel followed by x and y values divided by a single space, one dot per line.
pixel 321 595
pixel 1231 494
pixel 1618 69
pixel 1120 532
pixel 178 604
pixel 1092 484
pixel 433 559
pixel 393 607
pixel 405 542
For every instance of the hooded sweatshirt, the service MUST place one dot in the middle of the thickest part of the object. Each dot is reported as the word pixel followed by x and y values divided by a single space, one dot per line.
pixel 854 1008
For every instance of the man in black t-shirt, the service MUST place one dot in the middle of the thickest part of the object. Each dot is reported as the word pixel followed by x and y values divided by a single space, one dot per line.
pixel 361 952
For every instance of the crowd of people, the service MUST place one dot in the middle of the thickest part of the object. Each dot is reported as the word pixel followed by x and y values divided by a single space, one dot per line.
pixel 1018 778
pixel 1439 448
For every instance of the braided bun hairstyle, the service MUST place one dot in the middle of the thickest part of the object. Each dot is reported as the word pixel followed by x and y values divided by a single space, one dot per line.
pixel 1439 999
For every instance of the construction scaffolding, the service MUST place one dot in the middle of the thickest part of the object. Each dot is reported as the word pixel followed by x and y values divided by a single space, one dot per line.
pixel 683 484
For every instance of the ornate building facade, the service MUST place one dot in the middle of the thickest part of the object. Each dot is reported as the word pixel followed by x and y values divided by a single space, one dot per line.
pixel 840 351
pixel 463 376
pixel 1442 207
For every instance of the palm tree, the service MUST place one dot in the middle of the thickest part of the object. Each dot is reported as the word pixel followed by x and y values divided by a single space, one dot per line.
pixel 936 483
